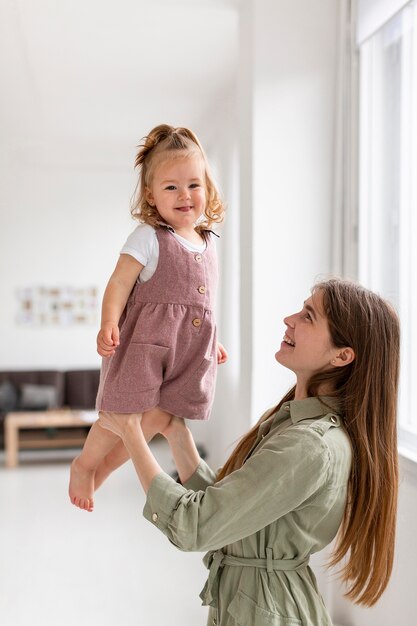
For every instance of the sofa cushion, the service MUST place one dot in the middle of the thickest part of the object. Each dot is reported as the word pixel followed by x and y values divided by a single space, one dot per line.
pixel 81 388
pixel 38 397
pixel 9 398
pixel 37 377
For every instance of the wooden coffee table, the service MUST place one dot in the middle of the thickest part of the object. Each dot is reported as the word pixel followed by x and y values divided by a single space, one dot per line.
pixel 27 430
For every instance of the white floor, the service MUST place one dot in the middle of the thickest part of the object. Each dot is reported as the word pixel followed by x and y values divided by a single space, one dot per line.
pixel 60 566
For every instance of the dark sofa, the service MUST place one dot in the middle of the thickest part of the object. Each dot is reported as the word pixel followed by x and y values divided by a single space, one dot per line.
pixel 75 389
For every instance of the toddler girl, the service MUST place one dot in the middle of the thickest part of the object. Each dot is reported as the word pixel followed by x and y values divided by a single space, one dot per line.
pixel 158 335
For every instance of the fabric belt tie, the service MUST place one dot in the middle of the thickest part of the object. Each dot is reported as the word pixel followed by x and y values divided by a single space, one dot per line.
pixel 216 559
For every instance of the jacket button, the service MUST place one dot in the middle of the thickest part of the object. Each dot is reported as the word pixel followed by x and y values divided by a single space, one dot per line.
pixel 198 258
pixel 154 517
pixel 196 322
pixel 333 419
pixel 201 289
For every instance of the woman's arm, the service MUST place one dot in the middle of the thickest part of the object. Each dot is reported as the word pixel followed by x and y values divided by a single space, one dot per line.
pixel 128 428
pixel 114 301
pixel 281 475
pixel 183 448
pixel 135 431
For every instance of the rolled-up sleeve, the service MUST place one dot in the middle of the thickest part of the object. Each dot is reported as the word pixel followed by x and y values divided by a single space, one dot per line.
pixel 281 475
pixel 202 478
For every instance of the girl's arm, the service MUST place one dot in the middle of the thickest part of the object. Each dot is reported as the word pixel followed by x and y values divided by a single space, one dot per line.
pixel 114 301
pixel 222 355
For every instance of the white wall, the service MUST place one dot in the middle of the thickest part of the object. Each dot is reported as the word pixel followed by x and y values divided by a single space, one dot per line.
pixel 285 118
pixel 293 94
pixel 61 225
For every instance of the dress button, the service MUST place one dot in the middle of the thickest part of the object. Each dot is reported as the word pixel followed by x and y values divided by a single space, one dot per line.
pixel 154 517
pixel 198 258
pixel 333 419
pixel 201 289
pixel 196 322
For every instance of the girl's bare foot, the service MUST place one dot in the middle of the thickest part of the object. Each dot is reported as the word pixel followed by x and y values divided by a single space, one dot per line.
pixel 81 487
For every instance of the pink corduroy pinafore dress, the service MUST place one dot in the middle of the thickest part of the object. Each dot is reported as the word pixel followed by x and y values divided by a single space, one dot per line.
pixel 167 355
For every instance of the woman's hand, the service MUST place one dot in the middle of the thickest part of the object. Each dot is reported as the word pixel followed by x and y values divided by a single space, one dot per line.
pixel 152 422
pixel 173 428
pixel 118 424
pixel 128 428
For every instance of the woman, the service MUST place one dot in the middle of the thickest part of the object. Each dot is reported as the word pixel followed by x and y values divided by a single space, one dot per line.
pixel 321 463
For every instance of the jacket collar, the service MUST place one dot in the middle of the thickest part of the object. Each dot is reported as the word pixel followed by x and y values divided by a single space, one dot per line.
pixel 309 408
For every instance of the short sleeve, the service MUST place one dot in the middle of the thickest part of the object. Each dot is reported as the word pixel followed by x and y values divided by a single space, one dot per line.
pixel 142 244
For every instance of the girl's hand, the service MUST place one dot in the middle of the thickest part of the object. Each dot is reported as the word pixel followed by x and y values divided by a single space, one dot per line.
pixel 222 355
pixel 108 339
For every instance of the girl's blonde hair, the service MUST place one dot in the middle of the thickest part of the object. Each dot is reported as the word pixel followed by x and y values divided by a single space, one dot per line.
pixel 165 142
pixel 367 392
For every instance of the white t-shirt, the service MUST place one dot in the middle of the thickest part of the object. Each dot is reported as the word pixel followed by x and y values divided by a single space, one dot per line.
pixel 143 245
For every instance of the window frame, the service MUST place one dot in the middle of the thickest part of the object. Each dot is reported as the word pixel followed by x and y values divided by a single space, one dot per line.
pixel 370 198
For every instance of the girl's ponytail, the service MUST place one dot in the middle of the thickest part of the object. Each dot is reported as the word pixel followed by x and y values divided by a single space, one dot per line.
pixel 156 136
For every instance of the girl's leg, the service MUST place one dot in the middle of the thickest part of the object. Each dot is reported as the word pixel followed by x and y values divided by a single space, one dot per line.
pixel 98 444
pixel 119 455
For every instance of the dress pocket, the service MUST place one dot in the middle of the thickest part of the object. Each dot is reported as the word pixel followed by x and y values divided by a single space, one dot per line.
pixel 142 368
pixel 200 386
pixel 246 612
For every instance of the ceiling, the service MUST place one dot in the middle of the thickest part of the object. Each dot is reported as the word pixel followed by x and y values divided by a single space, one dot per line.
pixel 89 77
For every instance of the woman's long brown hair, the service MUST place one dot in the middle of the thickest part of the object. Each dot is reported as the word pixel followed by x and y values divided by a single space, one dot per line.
pixel 367 391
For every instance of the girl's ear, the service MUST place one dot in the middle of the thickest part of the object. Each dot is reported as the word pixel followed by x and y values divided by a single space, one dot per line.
pixel 343 357
pixel 149 197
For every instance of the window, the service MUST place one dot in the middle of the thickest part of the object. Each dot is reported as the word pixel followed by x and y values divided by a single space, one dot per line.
pixel 388 188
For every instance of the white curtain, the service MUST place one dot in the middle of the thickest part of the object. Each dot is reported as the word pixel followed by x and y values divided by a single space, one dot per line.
pixel 345 196
pixel 372 14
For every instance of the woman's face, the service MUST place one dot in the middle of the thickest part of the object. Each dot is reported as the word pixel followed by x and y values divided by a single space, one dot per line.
pixel 306 348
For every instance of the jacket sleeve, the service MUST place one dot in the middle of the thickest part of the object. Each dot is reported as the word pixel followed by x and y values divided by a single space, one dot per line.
pixel 202 478
pixel 282 474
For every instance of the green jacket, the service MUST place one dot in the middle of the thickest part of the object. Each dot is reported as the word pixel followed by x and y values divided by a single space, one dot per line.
pixel 262 522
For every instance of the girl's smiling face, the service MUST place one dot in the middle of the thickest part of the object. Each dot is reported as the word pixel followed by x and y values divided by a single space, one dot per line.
pixel 178 191
pixel 307 347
